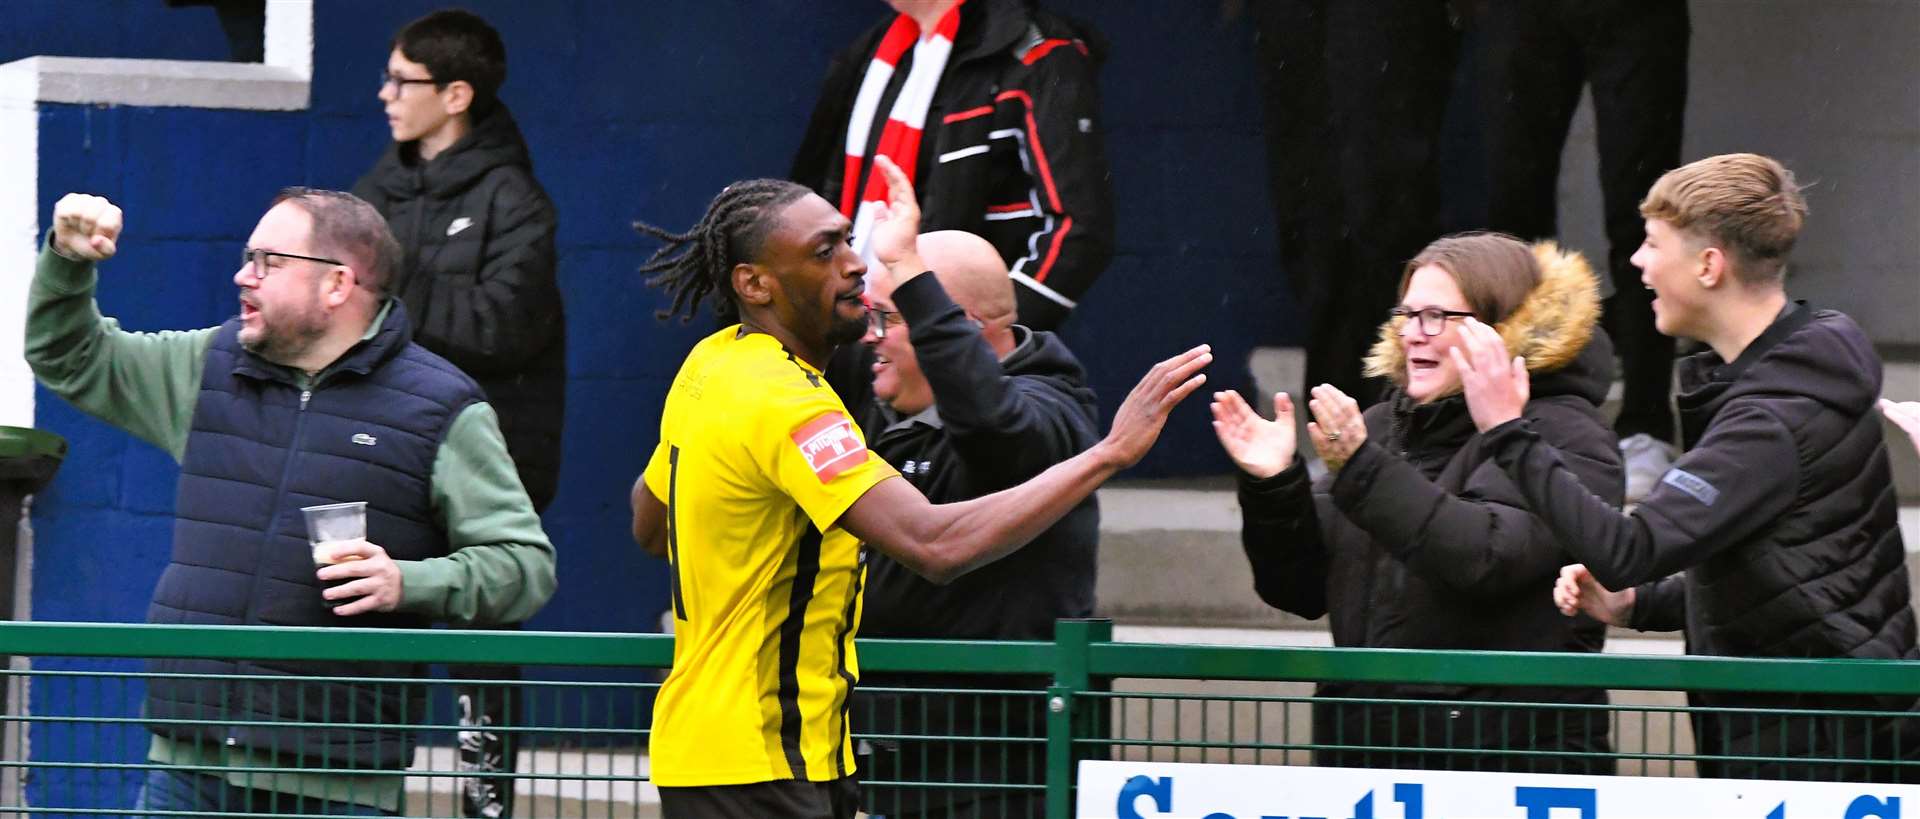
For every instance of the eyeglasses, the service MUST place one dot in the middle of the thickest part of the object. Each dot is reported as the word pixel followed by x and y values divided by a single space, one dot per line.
pixel 387 79
pixel 879 321
pixel 258 258
pixel 1432 320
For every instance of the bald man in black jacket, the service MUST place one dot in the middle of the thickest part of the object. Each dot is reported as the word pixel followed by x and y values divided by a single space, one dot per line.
pixel 964 401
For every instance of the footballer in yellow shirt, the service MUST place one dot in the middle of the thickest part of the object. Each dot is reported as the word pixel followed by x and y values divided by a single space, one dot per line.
pixel 762 495
pixel 758 460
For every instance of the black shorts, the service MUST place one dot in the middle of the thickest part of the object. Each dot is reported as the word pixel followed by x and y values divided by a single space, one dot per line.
pixel 833 799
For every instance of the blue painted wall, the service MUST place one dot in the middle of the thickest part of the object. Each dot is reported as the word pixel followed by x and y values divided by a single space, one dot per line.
pixel 632 111
pixel 630 114
pixel 146 29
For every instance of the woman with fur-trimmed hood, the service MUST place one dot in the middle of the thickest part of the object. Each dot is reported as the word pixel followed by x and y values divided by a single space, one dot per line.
pixel 1415 538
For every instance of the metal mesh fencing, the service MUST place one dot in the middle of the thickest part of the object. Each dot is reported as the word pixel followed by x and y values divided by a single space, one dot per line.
pixel 96 717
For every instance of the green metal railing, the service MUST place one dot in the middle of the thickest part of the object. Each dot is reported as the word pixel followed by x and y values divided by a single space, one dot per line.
pixel 983 720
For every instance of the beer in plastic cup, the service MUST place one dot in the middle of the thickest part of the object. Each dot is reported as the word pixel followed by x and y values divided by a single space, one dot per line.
pixel 331 528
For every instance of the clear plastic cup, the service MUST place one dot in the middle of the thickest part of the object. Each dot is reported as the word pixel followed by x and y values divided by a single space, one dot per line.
pixel 330 528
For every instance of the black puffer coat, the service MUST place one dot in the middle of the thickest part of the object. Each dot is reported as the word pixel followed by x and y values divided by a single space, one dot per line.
pixel 1421 541
pixel 479 279
pixel 1782 515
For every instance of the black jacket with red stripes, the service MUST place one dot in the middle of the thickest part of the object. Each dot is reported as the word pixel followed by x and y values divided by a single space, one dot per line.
pixel 1011 150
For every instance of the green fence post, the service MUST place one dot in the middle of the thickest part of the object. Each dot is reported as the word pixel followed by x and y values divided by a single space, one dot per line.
pixel 1065 720
pixel 1059 751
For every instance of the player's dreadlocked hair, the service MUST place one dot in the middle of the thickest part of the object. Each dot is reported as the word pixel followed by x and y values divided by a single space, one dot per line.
pixel 699 263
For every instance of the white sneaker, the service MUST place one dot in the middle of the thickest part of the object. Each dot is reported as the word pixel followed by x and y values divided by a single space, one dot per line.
pixel 1647 460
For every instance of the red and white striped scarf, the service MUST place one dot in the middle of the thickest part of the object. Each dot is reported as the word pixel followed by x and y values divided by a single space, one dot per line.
pixel 900 136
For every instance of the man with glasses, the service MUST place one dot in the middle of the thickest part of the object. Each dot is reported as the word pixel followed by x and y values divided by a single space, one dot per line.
pixel 315 393
pixel 477 231
pixel 964 402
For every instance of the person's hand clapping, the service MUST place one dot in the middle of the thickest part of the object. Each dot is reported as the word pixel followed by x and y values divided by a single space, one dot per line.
pixel 1260 447
pixel 1496 385
pixel 1337 429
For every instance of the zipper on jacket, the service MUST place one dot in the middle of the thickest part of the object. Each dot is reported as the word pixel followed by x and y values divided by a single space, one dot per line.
pixel 279 495
pixel 273 523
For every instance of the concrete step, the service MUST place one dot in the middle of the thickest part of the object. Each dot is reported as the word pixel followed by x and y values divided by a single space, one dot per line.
pixel 432 788
pixel 1170 555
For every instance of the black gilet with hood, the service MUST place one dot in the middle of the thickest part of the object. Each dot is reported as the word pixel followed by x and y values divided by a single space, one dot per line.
pixel 479 278
pixel 1420 541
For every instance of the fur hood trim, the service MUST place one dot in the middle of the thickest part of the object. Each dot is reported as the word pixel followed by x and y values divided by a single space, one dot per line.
pixel 1550 328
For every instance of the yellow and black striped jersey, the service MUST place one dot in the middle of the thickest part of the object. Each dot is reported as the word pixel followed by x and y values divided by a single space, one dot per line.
pixel 757 461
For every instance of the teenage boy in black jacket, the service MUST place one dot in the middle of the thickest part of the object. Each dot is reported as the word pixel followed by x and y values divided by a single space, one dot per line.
pixel 457 187
pixel 964 402
pixel 1775 534
pixel 478 230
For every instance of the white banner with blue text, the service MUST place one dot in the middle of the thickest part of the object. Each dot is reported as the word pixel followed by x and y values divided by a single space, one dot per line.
pixel 1170 790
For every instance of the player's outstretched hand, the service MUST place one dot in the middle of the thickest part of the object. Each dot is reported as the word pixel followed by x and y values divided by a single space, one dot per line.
pixel 1137 425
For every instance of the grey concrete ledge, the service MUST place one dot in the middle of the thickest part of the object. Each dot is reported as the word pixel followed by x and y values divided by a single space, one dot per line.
pixel 1142 509
pixel 160 83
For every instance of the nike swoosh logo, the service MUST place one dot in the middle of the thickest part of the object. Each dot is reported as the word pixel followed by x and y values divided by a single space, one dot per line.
pixel 458 225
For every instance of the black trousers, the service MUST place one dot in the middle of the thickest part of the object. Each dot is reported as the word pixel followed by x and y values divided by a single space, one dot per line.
pixel 1536 56
pixel 1467 736
pixel 788 799
pixel 1765 745
pixel 1356 91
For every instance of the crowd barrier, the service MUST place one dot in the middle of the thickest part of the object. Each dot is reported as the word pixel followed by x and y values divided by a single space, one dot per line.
pixel 76 738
